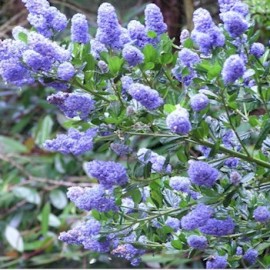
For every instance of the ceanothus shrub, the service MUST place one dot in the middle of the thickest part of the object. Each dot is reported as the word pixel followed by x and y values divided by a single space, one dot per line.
pixel 205 194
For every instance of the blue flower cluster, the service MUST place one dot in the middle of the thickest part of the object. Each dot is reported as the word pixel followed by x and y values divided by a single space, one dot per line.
pixel 74 142
pixel 145 95
pixel 154 19
pixel 73 104
pixel 233 15
pixel 197 217
pixel 129 252
pixel 178 121
pixel 186 62
pixel 132 55
pixel 206 34
pixel 202 174
pixel 121 149
pixel 174 223
pixel 250 256
pixel 158 162
pixel 20 62
pixel 197 242
pixel 233 69
pixel 199 102
pixel 261 214
pixel 108 173
pixel 44 18
pixel 218 227
pixel 79 29
pixel 92 198
pixel 217 262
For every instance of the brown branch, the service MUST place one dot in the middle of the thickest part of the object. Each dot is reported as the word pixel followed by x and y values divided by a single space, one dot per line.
pixel 71 181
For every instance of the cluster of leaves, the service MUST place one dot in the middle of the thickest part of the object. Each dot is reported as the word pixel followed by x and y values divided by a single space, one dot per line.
pixel 260 11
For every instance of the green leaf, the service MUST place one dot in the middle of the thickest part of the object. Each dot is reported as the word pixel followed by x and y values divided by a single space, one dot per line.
pixel 14 238
pixel 150 54
pixel 168 108
pixel 43 130
pixel 177 244
pixel 58 199
pixel 262 136
pixel 23 37
pixel 45 218
pixel 29 194
pixel 115 63
pixel 157 198
pixel 136 195
pixel 8 145
pixel 152 34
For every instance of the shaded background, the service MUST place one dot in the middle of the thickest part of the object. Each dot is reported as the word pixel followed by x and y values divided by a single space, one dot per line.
pixel 33 204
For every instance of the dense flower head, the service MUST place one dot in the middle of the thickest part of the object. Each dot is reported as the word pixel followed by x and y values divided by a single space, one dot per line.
pixel 92 198
pixel 121 149
pixel 217 262
pixel 132 55
pixel 108 173
pixel 207 41
pixel 48 48
pixel 73 104
pixel 206 34
pixel 229 139
pixel 158 162
pixel 218 227
pixel 241 8
pixel 126 82
pixel 234 23
pixel 11 49
pixel 79 29
pixel 180 183
pixel 257 49
pixel 128 252
pixel 36 61
pixel 233 69
pixel 261 214
pixel 188 58
pixel 124 37
pixel 178 121
pixel 197 242
pixel 74 142
pixel 154 19
pixel 197 217
pixel 36 6
pixel 96 245
pixel 202 174
pixel 239 251
pixel 174 223
pixel 97 48
pixel 184 35
pixel 109 30
pixel 145 95
pixel 251 256
pixel 231 162
pixel 14 72
pixel 104 68
pixel 226 5
pixel 235 178
pixel 44 18
pixel 83 230
pixel 65 71
pixel 202 20
pixel 137 33
pixel 199 102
